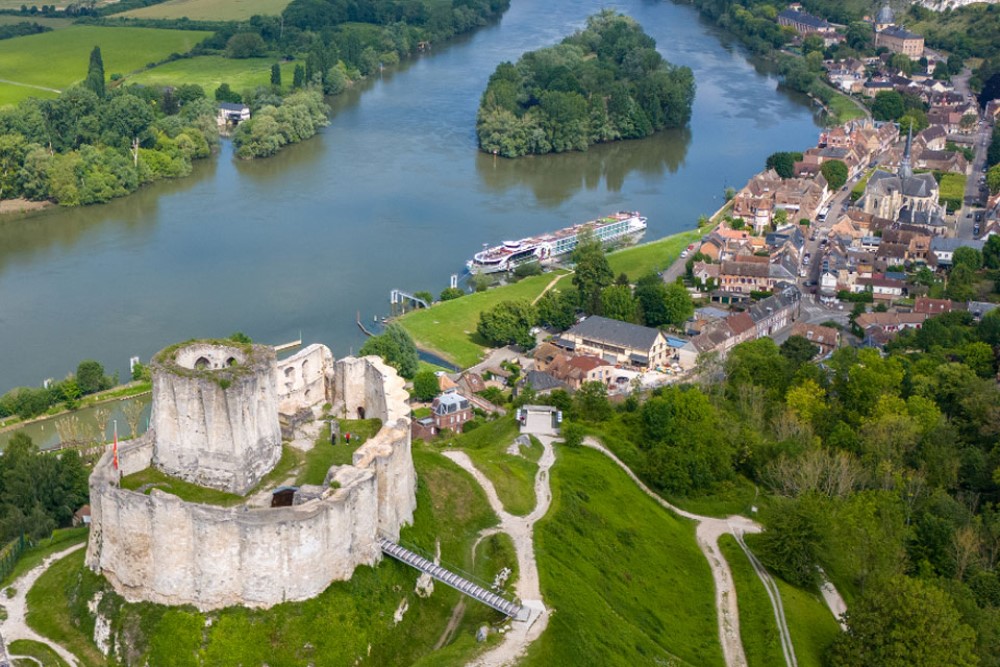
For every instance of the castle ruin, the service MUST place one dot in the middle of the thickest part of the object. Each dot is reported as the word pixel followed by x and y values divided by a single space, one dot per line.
pixel 217 417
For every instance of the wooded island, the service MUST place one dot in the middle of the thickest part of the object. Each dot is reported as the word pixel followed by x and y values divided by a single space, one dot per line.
pixel 601 84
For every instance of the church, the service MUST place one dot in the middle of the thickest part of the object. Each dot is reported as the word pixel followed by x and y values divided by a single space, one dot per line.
pixel 904 196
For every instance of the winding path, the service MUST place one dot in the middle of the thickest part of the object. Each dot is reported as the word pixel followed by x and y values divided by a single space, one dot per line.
pixel 521 531
pixel 15 626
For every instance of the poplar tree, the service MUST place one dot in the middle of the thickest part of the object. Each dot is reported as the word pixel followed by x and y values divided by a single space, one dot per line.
pixel 95 73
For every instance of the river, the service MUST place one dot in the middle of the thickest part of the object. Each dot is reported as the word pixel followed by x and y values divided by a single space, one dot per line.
pixel 393 194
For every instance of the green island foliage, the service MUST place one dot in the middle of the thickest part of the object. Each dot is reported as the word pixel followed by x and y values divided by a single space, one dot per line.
pixel 513 475
pixel 81 148
pixel 630 587
pixel 601 84
pixel 396 347
pixel 348 621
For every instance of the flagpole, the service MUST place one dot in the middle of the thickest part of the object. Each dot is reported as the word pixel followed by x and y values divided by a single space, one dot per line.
pixel 116 444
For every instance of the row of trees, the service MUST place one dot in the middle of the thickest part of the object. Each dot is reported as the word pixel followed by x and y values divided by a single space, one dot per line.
pixel 27 402
pixel 602 84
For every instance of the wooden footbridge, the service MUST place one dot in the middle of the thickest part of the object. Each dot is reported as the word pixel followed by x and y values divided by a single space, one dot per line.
pixel 474 591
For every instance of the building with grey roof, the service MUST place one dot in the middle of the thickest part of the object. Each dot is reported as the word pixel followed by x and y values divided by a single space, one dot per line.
pixel 617 342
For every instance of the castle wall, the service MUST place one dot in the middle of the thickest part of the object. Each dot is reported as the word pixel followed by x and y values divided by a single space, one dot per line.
pixel 216 425
pixel 162 549
pixel 304 378
pixel 159 548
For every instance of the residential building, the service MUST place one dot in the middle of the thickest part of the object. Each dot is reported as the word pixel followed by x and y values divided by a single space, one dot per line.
pixel 450 411
pixel 805 23
pixel 932 307
pixel 617 342
pixel 944 249
pixel 900 40
pixel 827 339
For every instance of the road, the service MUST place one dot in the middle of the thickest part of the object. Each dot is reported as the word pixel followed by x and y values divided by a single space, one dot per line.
pixel 975 194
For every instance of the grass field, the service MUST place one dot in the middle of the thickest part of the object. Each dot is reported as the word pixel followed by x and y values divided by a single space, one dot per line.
pixel 626 580
pixel 844 108
pixel 59 59
pixel 653 256
pixel 62 538
pixel 55 24
pixel 449 328
pixel 210 71
pixel 952 191
pixel 348 620
pixel 512 476
pixel 208 10
pixel 810 622
pixel 40 652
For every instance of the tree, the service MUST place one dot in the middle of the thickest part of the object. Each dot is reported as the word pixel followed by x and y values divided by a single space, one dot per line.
pixel 618 303
pixel 90 376
pixel 299 76
pixel 276 75
pixel 798 350
pixel 904 622
pixel 993 180
pixel 960 283
pixel 888 105
pixel 508 322
pixel 677 304
pixel 991 252
pixel 901 63
pixel 793 541
pixel 783 162
pixel 95 73
pixel 557 310
pixel 245 45
pixel 915 120
pixel 835 173
pixel 651 293
pixel 591 402
pixel 425 385
pixel 592 272
pixel 396 348
pixel 225 94
pixel 449 293
pixel 966 256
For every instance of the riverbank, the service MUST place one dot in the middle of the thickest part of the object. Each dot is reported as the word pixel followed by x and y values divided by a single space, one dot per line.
pixel 119 393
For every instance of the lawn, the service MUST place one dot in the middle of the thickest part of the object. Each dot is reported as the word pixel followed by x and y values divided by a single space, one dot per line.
pixel 810 622
pixel 512 476
pixel 11 94
pixel 625 578
pixel 54 23
pixel 844 108
pixel 210 71
pixel 291 459
pixel 40 652
pixel 653 256
pixel 62 538
pixel 449 328
pixel 348 620
pixel 758 629
pixel 858 191
pixel 59 59
pixel 323 455
pixel 952 191
pixel 208 10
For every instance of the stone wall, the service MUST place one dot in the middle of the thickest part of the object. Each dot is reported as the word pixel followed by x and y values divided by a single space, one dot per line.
pixel 215 414
pixel 305 379
pixel 159 548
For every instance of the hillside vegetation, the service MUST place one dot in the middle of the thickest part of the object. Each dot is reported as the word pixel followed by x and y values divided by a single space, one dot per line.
pixel 602 84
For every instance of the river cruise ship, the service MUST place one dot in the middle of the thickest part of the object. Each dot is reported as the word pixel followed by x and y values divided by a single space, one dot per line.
pixel 623 226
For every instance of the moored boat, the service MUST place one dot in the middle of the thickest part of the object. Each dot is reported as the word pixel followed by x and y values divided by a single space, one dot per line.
pixel 621 226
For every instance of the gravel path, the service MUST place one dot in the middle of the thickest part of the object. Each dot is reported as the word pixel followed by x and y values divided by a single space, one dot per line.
pixel 521 531
pixel 15 626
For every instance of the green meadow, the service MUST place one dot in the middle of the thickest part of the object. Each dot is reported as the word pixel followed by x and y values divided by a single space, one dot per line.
pixel 58 59
pixel 208 10
pixel 210 71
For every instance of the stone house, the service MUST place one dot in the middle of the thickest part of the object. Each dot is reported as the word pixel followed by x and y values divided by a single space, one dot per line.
pixel 900 40
pixel 827 339
pixel 932 307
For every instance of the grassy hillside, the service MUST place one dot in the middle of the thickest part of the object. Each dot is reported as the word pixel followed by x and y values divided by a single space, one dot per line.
pixel 58 59
pixel 208 10
pixel 210 71
pixel 626 580
pixel 349 623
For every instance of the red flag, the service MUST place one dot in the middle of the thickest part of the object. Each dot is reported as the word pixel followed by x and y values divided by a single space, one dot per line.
pixel 116 446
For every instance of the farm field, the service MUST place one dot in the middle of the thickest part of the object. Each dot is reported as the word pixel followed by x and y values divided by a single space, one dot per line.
pixel 58 59
pixel 208 10
pixel 55 24
pixel 209 71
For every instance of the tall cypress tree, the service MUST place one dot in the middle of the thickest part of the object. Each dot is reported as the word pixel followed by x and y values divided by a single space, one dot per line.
pixel 276 74
pixel 95 73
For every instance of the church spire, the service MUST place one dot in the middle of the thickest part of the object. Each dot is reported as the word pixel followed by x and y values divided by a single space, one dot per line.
pixel 905 168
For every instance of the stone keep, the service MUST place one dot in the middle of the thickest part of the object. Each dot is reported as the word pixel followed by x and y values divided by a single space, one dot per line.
pixel 215 414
